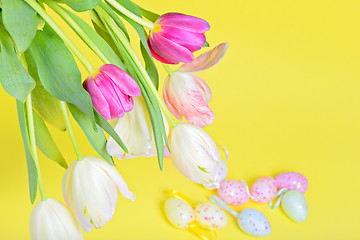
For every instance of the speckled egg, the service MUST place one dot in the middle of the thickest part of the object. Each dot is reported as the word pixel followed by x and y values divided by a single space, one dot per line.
pixel 179 213
pixel 295 205
pixel 263 190
pixel 210 215
pixel 292 181
pixel 233 192
pixel 254 223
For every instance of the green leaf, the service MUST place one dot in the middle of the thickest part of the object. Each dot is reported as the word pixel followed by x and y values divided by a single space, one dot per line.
pixel 31 166
pixel 20 21
pixel 146 13
pixel 150 64
pixel 46 143
pixel 95 136
pixel 80 5
pixel 58 71
pixel 105 125
pixel 13 77
pixel 43 102
pixel 98 40
pixel 116 19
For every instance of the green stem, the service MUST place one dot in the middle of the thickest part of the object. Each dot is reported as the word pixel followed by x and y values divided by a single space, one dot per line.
pixel 61 34
pixel 130 15
pixel 168 69
pixel 132 54
pixel 70 131
pixel 30 118
pixel 79 31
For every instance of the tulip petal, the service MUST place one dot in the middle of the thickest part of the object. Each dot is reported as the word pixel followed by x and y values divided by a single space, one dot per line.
pixel 167 102
pixel 124 81
pixel 185 22
pixel 190 95
pixel 170 50
pixel 111 94
pixel 115 177
pixel 157 57
pixel 205 60
pixel 134 128
pixel 98 100
pixel 190 40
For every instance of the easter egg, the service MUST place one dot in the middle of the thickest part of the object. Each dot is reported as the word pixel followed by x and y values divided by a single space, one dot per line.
pixel 179 213
pixel 254 223
pixel 295 205
pixel 233 192
pixel 210 216
pixel 263 190
pixel 292 181
pixel 220 174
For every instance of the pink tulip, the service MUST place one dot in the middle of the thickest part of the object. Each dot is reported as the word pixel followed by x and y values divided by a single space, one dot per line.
pixel 176 36
pixel 187 95
pixel 111 90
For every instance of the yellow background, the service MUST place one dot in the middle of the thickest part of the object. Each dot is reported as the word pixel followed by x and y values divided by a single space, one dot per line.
pixel 286 98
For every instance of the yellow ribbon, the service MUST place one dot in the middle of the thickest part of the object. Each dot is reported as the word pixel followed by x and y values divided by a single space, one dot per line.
pixel 200 232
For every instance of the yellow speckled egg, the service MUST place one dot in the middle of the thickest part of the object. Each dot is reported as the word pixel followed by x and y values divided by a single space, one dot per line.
pixel 179 213
pixel 210 215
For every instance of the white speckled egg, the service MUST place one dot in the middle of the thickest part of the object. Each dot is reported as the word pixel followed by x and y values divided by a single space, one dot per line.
pixel 263 190
pixel 210 215
pixel 179 212
pixel 295 206
pixel 254 223
pixel 292 181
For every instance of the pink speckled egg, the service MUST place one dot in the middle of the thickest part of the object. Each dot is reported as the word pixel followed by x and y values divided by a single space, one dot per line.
pixel 263 190
pixel 233 192
pixel 179 213
pixel 210 216
pixel 292 181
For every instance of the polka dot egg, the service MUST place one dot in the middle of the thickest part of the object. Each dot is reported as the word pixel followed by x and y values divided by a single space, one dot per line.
pixel 254 223
pixel 179 212
pixel 210 215
pixel 233 192
pixel 263 190
pixel 292 181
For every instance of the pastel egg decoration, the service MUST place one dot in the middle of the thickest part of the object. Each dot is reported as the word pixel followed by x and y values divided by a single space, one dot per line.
pixel 295 206
pixel 179 213
pixel 254 223
pixel 210 216
pixel 292 181
pixel 233 192
pixel 263 190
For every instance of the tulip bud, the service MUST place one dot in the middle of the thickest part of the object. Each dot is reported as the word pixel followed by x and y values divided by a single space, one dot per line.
pixel 187 95
pixel 51 220
pixel 90 189
pixel 176 36
pixel 196 156
pixel 135 130
pixel 111 90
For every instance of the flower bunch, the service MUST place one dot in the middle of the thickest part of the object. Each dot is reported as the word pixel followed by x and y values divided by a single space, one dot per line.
pixel 38 68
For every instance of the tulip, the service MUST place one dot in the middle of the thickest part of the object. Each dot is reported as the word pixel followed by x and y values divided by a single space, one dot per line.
pixel 186 94
pixel 111 90
pixel 135 130
pixel 51 220
pixel 196 156
pixel 176 36
pixel 90 188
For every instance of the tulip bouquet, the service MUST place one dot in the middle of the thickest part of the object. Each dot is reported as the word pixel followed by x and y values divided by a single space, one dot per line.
pixel 37 67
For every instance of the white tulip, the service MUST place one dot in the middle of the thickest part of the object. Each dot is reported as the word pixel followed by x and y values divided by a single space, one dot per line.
pixel 135 130
pixel 51 220
pixel 90 188
pixel 196 156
